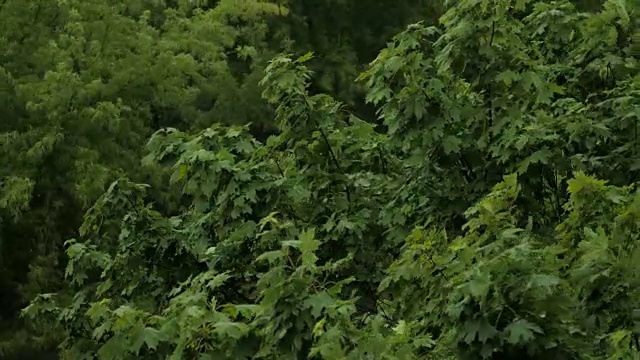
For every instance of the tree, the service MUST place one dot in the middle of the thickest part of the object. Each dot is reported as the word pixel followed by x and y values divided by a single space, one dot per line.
pixel 470 229
pixel 84 84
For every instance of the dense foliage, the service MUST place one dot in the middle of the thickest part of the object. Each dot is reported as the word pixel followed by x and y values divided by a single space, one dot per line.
pixel 83 84
pixel 490 212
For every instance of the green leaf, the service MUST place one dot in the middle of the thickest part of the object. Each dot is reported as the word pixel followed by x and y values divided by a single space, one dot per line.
pixel 308 246
pixel 234 330
pixel 218 281
pixel 508 77
pixel 270 256
pixel 319 302
pixel 152 337
pixel 521 332
pixel 451 144
pixel 306 57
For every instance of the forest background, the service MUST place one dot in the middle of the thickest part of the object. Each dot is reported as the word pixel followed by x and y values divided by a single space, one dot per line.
pixel 411 179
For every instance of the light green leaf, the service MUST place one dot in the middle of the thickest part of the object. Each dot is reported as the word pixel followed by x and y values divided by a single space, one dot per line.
pixel 232 329
pixel 270 256
pixel 151 337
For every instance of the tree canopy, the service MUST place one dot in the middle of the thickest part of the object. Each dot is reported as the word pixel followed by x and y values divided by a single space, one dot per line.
pixel 320 180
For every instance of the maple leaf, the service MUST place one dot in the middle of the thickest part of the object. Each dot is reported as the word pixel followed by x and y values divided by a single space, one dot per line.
pixel 521 331
pixel 152 337
pixel 319 302
pixel 231 329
